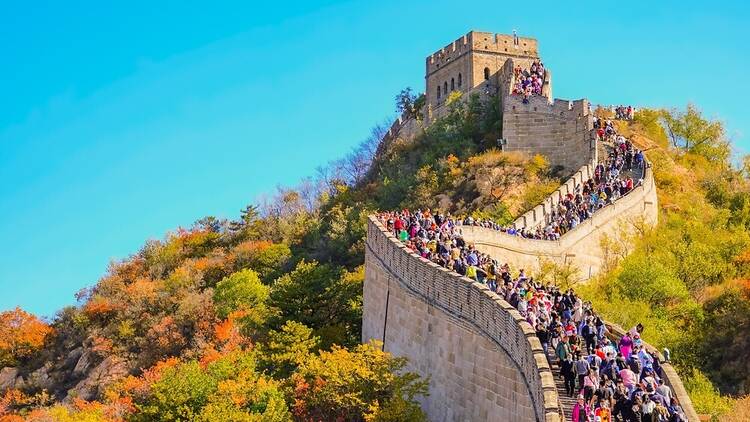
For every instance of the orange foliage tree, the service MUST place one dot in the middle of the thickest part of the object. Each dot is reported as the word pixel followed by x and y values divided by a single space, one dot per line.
pixel 21 334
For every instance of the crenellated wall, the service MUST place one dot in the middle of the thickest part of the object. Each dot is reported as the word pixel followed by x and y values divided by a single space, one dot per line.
pixel 537 215
pixel 483 360
pixel 461 65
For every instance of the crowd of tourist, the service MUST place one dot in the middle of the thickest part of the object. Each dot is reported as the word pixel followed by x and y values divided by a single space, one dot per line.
pixel 439 238
pixel 624 112
pixel 612 179
pixel 530 81
pixel 612 381
pixel 604 128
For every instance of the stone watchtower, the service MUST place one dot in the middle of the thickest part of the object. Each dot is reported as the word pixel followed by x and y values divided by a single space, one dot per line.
pixel 474 63
pixel 483 63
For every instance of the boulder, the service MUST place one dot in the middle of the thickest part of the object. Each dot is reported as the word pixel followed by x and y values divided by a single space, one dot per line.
pixel 72 359
pixel 41 378
pixel 109 371
pixel 85 361
pixel 8 377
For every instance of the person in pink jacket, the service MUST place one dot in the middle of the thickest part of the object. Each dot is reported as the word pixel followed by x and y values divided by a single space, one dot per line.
pixel 581 410
pixel 626 346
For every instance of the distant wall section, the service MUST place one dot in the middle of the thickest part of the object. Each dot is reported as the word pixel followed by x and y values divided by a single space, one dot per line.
pixel 581 246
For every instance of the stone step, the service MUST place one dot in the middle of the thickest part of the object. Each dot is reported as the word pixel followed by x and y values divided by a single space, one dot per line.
pixel 566 402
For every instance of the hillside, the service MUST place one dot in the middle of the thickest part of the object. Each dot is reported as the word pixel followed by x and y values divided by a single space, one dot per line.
pixel 259 318
pixel 261 306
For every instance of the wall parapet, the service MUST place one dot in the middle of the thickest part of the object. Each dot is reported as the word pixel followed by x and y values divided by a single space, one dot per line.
pixel 561 130
pixel 473 304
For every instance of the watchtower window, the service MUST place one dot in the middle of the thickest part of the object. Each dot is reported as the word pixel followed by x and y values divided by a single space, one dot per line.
pixel 453 85
pixel 438 92
pixel 459 80
pixel 486 73
pixel 445 87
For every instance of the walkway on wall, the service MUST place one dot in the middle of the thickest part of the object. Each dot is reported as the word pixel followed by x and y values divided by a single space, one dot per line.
pixel 605 149
pixel 566 402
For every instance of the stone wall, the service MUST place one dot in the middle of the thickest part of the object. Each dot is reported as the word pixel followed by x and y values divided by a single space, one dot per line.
pixel 538 215
pixel 562 130
pixel 580 246
pixel 484 361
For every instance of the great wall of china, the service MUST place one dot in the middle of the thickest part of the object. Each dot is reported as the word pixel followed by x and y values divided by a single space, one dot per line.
pixel 483 359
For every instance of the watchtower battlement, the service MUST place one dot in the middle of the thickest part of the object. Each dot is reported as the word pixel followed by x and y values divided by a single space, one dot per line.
pixel 561 130
pixel 567 109
pixel 484 42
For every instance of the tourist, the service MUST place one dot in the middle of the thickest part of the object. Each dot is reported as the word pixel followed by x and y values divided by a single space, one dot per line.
pixel 568 373
pixel 664 389
pixel 582 369
pixel 581 411
pixel 629 379
pixel 625 345
pixel 564 350
pixel 647 409
pixel 543 335
pixel 676 412
pixel 624 113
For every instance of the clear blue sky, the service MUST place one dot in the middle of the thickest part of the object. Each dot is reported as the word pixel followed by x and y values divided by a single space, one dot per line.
pixel 119 123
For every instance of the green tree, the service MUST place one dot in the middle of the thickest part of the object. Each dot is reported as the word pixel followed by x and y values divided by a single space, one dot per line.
pixel 323 297
pixel 691 131
pixel 270 262
pixel 646 279
pixel 284 350
pixel 726 345
pixel 226 389
pixel 242 291
pixel 425 188
pixel 409 103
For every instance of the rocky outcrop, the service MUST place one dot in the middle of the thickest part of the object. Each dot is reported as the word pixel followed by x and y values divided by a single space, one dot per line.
pixel 41 379
pixel 84 361
pixel 109 371
pixel 9 378
pixel 80 373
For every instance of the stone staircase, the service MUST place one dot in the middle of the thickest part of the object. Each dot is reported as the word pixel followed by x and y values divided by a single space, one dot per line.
pixel 566 402
pixel 605 148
